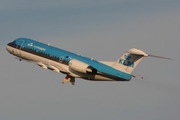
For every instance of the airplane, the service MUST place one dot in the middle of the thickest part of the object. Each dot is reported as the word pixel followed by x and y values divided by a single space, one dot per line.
pixel 75 65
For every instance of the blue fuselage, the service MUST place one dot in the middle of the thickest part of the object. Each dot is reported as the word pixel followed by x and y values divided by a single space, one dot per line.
pixel 63 57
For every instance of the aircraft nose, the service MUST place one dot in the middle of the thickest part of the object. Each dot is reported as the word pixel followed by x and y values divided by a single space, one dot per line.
pixel 8 47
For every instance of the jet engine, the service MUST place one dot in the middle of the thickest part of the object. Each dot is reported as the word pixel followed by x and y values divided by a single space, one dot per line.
pixel 81 66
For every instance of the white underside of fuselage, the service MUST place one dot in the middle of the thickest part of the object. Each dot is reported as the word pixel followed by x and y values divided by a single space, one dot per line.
pixel 38 59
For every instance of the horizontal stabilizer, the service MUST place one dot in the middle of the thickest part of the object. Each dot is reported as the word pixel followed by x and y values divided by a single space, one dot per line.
pixel 159 57
pixel 139 52
pixel 138 76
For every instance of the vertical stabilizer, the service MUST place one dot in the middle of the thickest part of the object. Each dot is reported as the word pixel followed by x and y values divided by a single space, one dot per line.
pixel 130 59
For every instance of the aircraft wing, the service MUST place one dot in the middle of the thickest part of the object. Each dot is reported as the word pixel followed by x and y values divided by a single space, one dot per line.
pixel 50 66
pixel 53 67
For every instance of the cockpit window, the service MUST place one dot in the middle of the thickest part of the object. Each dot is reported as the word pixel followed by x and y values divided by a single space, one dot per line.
pixel 14 41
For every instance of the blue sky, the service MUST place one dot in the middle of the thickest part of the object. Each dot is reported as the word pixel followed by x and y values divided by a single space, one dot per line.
pixel 101 29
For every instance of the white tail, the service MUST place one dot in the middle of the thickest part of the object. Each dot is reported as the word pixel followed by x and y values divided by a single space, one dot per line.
pixel 130 59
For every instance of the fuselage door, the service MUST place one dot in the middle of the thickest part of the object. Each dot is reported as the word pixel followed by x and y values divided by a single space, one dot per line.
pixel 61 59
pixel 64 60
pixel 19 47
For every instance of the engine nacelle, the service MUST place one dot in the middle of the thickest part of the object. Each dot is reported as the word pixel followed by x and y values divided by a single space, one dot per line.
pixel 81 66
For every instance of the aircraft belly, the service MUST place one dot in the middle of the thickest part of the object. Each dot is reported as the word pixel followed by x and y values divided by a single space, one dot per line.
pixel 102 78
pixel 95 77
pixel 105 78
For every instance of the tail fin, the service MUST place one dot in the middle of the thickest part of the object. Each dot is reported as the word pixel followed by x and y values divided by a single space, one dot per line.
pixel 130 59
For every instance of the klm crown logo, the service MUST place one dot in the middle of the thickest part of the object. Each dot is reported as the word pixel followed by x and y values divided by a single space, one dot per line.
pixel 127 57
pixel 30 44
pixel 127 61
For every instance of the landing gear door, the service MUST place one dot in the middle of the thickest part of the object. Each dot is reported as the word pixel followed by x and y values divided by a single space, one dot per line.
pixel 19 47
